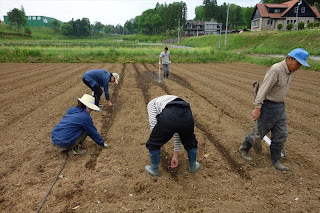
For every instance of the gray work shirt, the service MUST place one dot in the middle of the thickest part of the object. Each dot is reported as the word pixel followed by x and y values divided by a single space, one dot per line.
pixel 275 85
pixel 165 57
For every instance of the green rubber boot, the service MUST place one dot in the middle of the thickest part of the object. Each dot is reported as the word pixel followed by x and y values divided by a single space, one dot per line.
pixel 155 160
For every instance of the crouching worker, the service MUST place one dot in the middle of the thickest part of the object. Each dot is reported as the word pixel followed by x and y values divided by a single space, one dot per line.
pixel 170 115
pixel 95 79
pixel 75 126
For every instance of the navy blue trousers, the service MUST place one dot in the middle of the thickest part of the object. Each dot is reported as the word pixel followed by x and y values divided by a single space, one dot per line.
pixel 272 118
pixel 97 91
pixel 175 118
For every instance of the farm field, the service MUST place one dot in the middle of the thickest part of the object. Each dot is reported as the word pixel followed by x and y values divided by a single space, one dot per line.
pixel 34 97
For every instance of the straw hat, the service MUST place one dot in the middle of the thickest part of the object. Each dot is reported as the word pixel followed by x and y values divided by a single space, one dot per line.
pixel 88 101
pixel 116 77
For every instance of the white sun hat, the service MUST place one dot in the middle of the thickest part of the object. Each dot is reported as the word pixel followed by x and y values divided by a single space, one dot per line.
pixel 116 77
pixel 88 101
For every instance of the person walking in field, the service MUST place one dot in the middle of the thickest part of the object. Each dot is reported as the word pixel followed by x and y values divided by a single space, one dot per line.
pixel 75 126
pixel 165 60
pixel 95 79
pixel 170 116
pixel 270 108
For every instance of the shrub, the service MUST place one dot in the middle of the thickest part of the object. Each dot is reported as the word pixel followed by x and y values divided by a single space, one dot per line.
pixel 289 26
pixel 310 25
pixel 317 24
pixel 27 30
pixel 301 26
pixel 279 26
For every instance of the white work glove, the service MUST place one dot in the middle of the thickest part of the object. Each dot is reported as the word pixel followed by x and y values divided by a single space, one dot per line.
pixel 159 62
pixel 105 145
pixel 169 62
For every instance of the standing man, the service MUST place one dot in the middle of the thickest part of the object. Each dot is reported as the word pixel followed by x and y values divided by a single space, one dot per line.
pixel 170 115
pixel 95 79
pixel 165 59
pixel 270 107
pixel 75 126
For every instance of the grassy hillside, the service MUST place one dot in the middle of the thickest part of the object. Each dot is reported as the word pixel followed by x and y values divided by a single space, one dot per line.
pixel 268 42
pixel 45 46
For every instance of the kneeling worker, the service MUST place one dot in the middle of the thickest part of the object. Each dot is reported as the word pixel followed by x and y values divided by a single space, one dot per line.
pixel 75 126
pixel 170 115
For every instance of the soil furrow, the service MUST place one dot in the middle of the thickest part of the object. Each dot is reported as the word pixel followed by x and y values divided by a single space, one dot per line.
pixel 223 151
pixel 109 117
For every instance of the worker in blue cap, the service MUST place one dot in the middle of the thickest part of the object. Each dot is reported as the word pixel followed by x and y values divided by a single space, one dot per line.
pixel 269 107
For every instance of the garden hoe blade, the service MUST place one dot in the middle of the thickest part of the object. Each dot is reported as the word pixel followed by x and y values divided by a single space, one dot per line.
pixel 255 139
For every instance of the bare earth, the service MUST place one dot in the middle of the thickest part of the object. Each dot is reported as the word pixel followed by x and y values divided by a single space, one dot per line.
pixel 34 97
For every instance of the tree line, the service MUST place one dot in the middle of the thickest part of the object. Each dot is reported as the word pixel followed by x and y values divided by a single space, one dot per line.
pixel 238 16
pixel 163 18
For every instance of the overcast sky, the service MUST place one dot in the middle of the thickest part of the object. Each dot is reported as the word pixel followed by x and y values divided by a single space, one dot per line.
pixel 106 11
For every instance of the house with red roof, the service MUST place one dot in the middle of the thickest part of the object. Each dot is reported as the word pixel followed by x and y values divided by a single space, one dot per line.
pixel 269 16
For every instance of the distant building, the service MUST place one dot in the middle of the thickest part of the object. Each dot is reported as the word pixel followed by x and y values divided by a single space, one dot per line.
pixel 36 21
pixel 197 28
pixel 269 16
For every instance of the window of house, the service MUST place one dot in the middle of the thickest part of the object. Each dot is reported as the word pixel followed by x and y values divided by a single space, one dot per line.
pixel 276 10
pixel 308 21
pixel 255 23
pixel 268 21
pixel 295 21
pixel 271 22
pixel 291 21
pixel 39 18
pixel 303 9
pixel 288 21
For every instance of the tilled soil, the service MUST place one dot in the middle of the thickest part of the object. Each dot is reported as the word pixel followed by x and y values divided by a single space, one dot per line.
pixel 34 97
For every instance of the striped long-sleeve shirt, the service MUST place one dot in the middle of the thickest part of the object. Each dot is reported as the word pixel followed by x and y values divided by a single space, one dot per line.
pixel 155 108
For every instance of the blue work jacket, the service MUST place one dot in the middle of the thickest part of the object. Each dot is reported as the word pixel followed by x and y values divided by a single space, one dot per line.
pixel 77 120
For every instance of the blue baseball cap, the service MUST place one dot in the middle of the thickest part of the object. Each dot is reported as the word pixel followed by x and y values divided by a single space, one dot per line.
pixel 300 55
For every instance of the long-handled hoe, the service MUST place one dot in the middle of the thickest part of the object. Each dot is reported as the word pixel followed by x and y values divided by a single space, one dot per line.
pixel 159 79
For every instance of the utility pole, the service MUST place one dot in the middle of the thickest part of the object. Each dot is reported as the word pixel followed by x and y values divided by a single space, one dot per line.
pixel 179 31
pixel 225 38
pixel 220 35
pixel 300 2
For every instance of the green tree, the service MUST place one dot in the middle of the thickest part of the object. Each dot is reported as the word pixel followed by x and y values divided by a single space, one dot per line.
pixel 55 25
pixel 130 27
pixel 162 18
pixel 210 9
pixel 108 29
pixel 199 11
pixel 98 26
pixel 156 22
pixel 246 15
pixel 279 26
pixel 85 27
pixel 66 28
pixel 17 18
